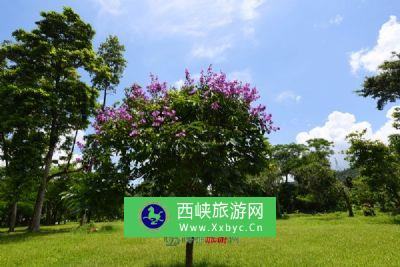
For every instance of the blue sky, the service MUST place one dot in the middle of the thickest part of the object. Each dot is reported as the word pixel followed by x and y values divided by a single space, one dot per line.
pixel 306 57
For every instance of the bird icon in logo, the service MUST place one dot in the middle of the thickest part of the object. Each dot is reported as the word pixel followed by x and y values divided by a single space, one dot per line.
pixel 153 216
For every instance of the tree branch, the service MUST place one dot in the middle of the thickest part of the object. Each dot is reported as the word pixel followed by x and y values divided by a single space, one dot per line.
pixel 65 171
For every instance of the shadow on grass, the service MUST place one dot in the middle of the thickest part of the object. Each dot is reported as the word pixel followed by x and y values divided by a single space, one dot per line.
pixel 331 217
pixel 283 217
pixel 24 235
pixel 199 264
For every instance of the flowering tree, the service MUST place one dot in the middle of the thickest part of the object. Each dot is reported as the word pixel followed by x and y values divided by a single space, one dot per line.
pixel 200 139
pixel 196 140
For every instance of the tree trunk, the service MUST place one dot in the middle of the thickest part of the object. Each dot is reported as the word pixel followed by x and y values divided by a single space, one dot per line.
pixel 83 219
pixel 348 203
pixel 37 212
pixel 104 99
pixel 71 151
pixel 189 252
pixel 89 216
pixel 278 207
pixel 13 217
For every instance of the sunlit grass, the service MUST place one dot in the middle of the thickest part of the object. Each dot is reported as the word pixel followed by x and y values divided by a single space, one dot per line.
pixel 302 240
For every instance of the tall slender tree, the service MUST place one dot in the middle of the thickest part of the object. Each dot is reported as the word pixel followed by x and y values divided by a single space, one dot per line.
pixel 111 53
pixel 43 69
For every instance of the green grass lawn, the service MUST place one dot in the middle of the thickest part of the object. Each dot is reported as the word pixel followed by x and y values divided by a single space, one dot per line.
pixel 302 240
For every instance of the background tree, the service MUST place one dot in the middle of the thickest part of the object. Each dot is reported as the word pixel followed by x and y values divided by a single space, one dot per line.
pixel 385 86
pixel 288 158
pixel 111 53
pixel 23 169
pixel 316 180
pixel 99 191
pixel 267 183
pixel 21 147
pixel 378 164
pixel 45 64
pixel 347 185
pixel 198 140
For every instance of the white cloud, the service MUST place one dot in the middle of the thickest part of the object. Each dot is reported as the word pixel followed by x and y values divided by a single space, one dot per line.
pixel 202 21
pixel 287 96
pixel 336 20
pixel 178 84
pixel 339 125
pixel 191 17
pixel 248 31
pixel 241 75
pixel 210 51
pixel 112 7
pixel 388 41
pixel 249 9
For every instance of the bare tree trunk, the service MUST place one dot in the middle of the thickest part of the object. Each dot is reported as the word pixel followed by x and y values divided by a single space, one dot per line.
pixel 13 217
pixel 348 203
pixel 278 207
pixel 189 252
pixel 83 219
pixel 104 99
pixel 71 151
pixel 37 212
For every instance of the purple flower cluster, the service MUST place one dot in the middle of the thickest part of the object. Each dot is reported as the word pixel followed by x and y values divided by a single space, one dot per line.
pixel 80 145
pixel 136 91
pixel 135 117
pixel 121 113
pixel 156 88
pixel 181 134
pixel 188 80
pixel 218 82
pixel 215 105
pixel 159 117
pixel 264 118
pixel 134 133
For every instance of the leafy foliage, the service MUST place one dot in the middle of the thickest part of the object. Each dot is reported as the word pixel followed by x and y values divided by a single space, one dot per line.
pixel 196 140
pixel 41 89
pixel 378 164
pixel 385 86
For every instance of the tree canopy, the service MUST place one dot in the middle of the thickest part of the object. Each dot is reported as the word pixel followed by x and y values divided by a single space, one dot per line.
pixel 41 85
pixel 196 140
pixel 385 86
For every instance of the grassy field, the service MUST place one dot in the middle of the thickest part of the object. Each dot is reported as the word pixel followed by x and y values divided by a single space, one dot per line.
pixel 302 240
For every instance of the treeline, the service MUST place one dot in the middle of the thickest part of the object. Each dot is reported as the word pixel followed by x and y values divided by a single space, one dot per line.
pixel 305 181
pixel 299 175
